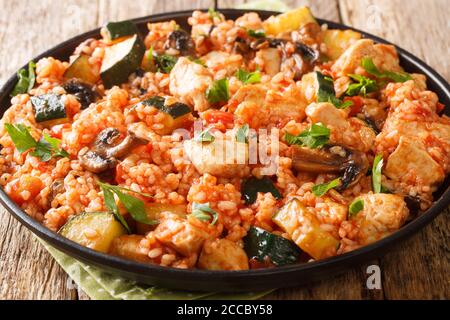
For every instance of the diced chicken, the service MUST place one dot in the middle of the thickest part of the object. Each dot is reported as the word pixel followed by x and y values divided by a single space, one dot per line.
pixel 179 234
pixel 271 60
pixel 221 158
pixel 411 161
pixel 189 82
pixel 223 254
pixel 220 60
pixel 331 212
pixel 259 107
pixel 382 215
pixel 383 56
pixel 328 114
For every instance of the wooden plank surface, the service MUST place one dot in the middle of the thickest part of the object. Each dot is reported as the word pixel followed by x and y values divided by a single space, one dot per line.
pixel 416 269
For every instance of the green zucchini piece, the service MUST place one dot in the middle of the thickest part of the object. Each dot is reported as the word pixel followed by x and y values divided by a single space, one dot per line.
pixel 121 60
pixel 304 229
pixel 261 245
pixel 175 110
pixel 117 30
pixel 252 186
pixel 93 230
pixel 48 107
pixel 81 69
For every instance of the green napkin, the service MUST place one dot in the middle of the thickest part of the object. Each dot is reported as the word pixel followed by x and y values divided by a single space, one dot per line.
pixel 100 285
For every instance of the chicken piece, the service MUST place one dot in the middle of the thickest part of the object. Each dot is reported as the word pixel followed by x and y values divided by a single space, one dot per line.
pixel 271 60
pixel 331 212
pixel 189 82
pixel 220 60
pixel 383 56
pixel 411 161
pixel 222 157
pixel 259 107
pixel 382 215
pixel 222 254
pixel 329 115
pixel 181 235
pixel 128 247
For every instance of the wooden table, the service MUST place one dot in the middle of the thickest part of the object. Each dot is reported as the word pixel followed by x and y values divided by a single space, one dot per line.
pixel 416 269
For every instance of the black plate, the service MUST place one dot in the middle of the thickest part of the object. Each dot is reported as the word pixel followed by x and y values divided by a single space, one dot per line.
pixel 232 281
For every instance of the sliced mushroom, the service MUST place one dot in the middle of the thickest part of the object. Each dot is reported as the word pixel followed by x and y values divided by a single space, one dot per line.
pixel 107 149
pixel 83 92
pixel 181 41
pixel 351 164
pixel 57 187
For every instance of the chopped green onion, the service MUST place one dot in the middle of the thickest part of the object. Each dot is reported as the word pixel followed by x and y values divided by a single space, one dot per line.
pixel 202 211
pixel 355 207
pixel 376 173
pixel 321 189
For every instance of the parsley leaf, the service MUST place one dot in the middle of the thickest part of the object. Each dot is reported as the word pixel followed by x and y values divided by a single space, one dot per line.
pixel 326 92
pixel 214 14
pixel 355 207
pixel 205 136
pixel 45 149
pixel 198 61
pixel 134 206
pixel 203 211
pixel 371 68
pixel 376 173
pixel 248 77
pixel 321 189
pixel 363 86
pixel 256 33
pixel 165 62
pixel 242 134
pixel 218 91
pixel 315 137
pixel 27 79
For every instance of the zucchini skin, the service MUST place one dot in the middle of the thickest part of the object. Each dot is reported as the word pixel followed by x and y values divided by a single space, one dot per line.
pixel 252 186
pixel 121 70
pixel 175 110
pixel 81 69
pixel 261 245
pixel 121 29
pixel 48 107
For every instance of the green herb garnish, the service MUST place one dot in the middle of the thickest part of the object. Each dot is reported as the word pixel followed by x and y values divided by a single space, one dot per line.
pixel 165 62
pixel 242 134
pixel 321 189
pixel 134 206
pixel 205 136
pixel 198 61
pixel 371 68
pixel 248 77
pixel 27 79
pixel 355 207
pixel 202 211
pixel 45 149
pixel 326 92
pixel 376 173
pixel 363 86
pixel 256 33
pixel 218 91
pixel 214 14
pixel 315 137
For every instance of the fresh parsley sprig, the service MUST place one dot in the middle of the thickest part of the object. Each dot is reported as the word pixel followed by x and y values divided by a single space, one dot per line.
pixel 315 137
pixel 165 62
pixel 203 212
pixel 45 148
pixel 27 79
pixel 326 92
pixel 371 68
pixel 134 206
pixel 362 86
pixel 321 189
pixel 218 92
pixel 248 77
pixel 258 34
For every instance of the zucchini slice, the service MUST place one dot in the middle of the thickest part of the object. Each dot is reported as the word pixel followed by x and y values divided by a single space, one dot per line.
pixel 121 60
pixel 338 41
pixel 252 186
pixel 177 113
pixel 117 30
pixel 289 21
pixel 304 228
pixel 93 230
pixel 49 109
pixel 81 69
pixel 261 245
